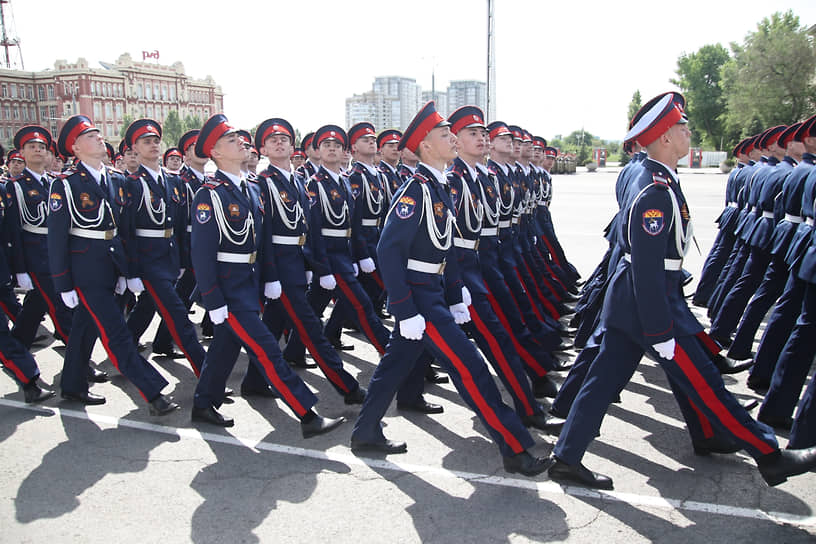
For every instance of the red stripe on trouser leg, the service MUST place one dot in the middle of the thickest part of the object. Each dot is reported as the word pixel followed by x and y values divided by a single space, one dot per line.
pixel 378 279
pixel 268 366
pixel 307 341
pixel 551 250
pixel 495 349
pixel 708 432
pixel 525 355
pixel 709 342
pixel 467 380
pixel 171 325
pixel 14 368
pixel 8 313
pixel 103 335
pixel 361 316
pixel 529 296
pixel 544 301
pixel 52 310
pixel 715 405
pixel 546 284
pixel 552 273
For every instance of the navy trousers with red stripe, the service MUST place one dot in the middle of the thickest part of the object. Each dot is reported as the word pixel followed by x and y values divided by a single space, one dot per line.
pixel 98 313
pixel 694 375
pixel 9 303
pixel 245 328
pixel 14 356
pixel 160 293
pixel 39 301
pixel 292 310
pixel 185 286
pixel 459 358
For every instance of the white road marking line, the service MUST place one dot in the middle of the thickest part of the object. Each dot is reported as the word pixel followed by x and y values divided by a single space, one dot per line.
pixel 542 488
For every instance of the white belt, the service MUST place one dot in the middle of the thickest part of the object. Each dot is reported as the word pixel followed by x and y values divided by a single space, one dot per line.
pixel 767 215
pixel 336 233
pixel 491 231
pixel 668 264
pixel 154 233
pixel 35 230
pixel 515 220
pixel 733 205
pixel 189 228
pixel 371 222
pixel 465 243
pixel 240 258
pixel 93 234
pixel 793 218
pixel 504 224
pixel 542 205
pixel 428 268
pixel 809 221
pixel 289 240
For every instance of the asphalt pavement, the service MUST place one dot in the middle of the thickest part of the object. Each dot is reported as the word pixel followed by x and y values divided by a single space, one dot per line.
pixel 112 473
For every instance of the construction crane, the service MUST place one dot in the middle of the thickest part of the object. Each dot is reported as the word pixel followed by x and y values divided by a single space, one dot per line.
pixel 7 39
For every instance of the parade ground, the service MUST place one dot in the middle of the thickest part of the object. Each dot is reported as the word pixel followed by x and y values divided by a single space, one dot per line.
pixel 112 473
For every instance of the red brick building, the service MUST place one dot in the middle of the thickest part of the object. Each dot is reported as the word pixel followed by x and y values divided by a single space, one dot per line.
pixel 106 95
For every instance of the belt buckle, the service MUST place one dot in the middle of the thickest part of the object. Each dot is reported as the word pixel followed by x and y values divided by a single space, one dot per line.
pixel 348 233
pixel 476 246
pixel 168 233
pixel 109 234
pixel 442 267
pixel 252 258
pixel 302 240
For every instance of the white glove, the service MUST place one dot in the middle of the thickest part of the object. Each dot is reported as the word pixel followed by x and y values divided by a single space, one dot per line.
pixel 412 328
pixel 460 313
pixel 272 289
pixel 356 270
pixel 665 349
pixel 219 315
pixel 309 276
pixel 367 265
pixel 467 300
pixel 70 298
pixel 181 273
pixel 135 285
pixel 24 282
pixel 121 285
pixel 328 282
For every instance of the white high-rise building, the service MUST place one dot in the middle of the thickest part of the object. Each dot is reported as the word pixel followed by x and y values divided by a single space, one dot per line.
pixel 467 93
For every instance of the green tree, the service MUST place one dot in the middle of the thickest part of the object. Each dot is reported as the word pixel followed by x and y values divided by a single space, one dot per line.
pixel 172 129
pixel 192 123
pixel 699 76
pixel 126 121
pixel 769 80
pixel 634 106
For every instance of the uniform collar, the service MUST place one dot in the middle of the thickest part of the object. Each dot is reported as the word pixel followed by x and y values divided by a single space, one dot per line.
pixel 236 180
pixel 436 173
pixel 96 174
pixel 392 169
pixel 34 175
pixel 286 173
pixel 671 172
pixel 155 174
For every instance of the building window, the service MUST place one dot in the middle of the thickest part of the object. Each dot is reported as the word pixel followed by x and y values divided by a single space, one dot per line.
pixel 156 91
pixel 41 91
pixel 51 91
pixel 164 92
pixel 25 113
pixel 118 111
pixel 14 90
pixel 97 111
pixel 148 91
pixel 2 115
pixel 108 110
pixel 43 114
pixel 52 113
pixel 173 93
pixel 4 92
pixel 30 92
pixel 138 90
pixel 7 110
pixel 16 110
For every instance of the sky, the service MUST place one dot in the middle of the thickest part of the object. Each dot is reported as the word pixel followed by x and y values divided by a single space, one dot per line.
pixel 560 66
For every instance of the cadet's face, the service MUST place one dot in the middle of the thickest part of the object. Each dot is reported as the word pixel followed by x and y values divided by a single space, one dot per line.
pixel 297 161
pixel 502 144
pixel 173 162
pixel 538 154
pixel 90 145
pixel 441 144
pixel 516 149
pixel 366 146
pixel 331 151
pixel 548 163
pixel 277 147
pixel 229 148
pixel 35 154
pixel 148 148
pixel 526 150
pixel 390 153
pixel 16 167
pixel 409 156
pixel 681 138
pixel 472 141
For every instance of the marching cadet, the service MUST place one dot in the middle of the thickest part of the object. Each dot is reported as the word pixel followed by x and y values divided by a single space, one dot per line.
pixel 297 159
pixel 427 305
pixel 27 215
pixel 16 359
pixel 330 242
pixel 157 216
pixel 408 163
pixel 173 160
pixel 645 310
pixel 129 156
pixel 15 164
pixel 89 265
pixel 285 232
pixel 308 168
pixel 227 235
pixel 467 124
pixel 388 144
